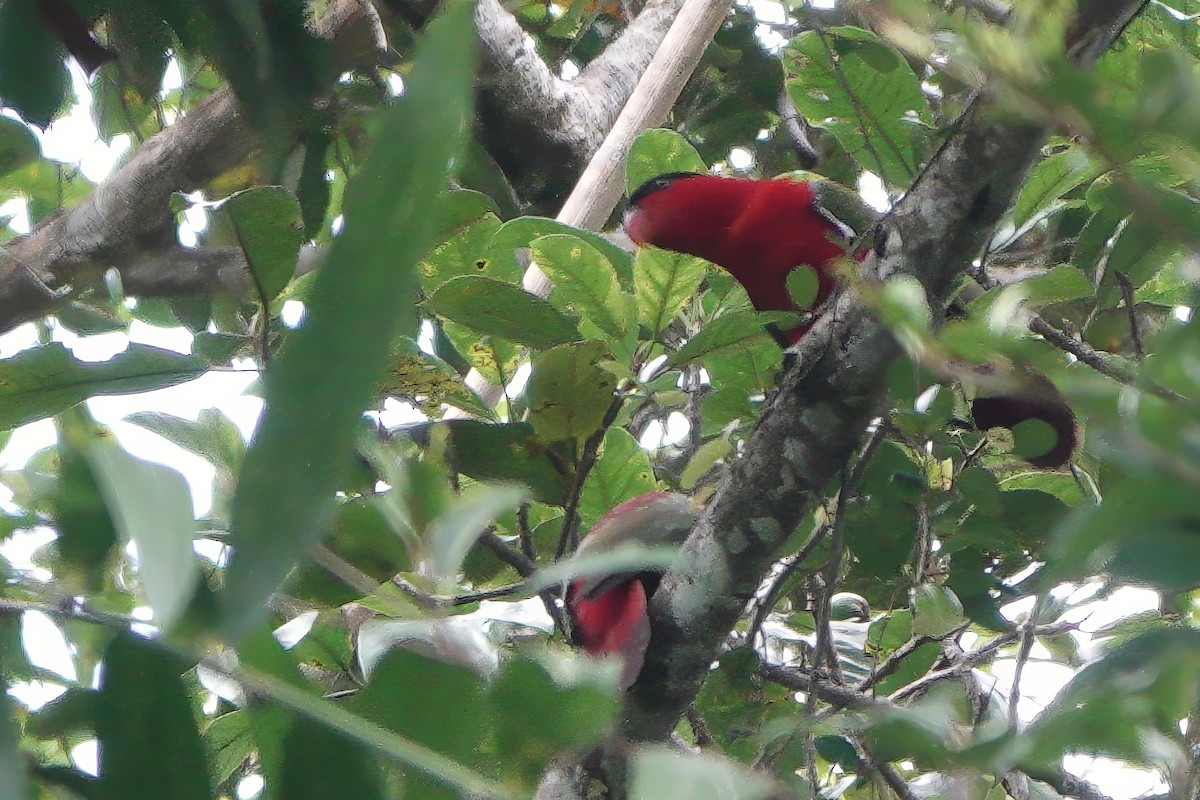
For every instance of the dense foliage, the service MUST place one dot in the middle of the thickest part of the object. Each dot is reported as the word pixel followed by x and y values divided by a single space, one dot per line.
pixel 410 572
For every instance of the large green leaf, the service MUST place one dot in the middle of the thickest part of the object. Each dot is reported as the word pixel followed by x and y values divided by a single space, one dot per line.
pixel 152 507
pixel 507 452
pixel 658 151
pixel 149 745
pixel 268 53
pixel 521 232
pixel 45 380
pixel 12 764
pixel 266 221
pixel 660 772
pixel 848 82
pixel 1052 178
pixel 502 309
pixel 555 710
pixel 568 392
pixel 588 285
pixel 18 145
pixel 319 764
pixel 453 534
pixel 33 77
pixel 730 332
pixel 445 715
pixel 664 281
pixel 421 378
pixel 622 471
pixel 317 388
pixel 228 741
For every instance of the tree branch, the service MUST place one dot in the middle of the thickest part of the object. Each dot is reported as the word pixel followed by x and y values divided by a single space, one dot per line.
pixel 39 271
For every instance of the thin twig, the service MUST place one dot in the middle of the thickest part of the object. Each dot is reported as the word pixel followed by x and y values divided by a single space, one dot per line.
pixel 568 539
pixel 435 602
pixel 764 606
pixel 342 569
pixel 891 776
pixel 1027 637
pixel 892 662
pixel 522 563
pixel 525 533
pixel 1086 354
pixel 1134 331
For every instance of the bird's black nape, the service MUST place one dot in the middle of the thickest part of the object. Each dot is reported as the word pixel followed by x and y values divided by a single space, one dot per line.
pixel 656 184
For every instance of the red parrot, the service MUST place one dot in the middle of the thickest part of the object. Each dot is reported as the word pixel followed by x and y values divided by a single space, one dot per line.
pixel 761 230
pixel 609 612
pixel 758 230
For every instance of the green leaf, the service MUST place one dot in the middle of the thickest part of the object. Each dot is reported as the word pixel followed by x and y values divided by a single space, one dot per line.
pixel 662 771
pixel 149 745
pixel 228 741
pixel 1123 703
pixel 1060 284
pixel 464 254
pixel 18 146
pixel 389 704
pixel 445 716
pixel 663 281
pixel 1053 177
pixel 886 634
pixel 318 386
pixel 658 151
pixel 568 392
pixel 88 320
pixel 33 77
pixel 272 60
pixel 588 284
pixel 501 309
pixel 453 535
pixel 864 93
pixel 936 610
pixel 622 471
pixel 523 231
pixel 152 507
pixel 212 436
pixel 1033 438
pixel 266 221
pixel 417 376
pixel 43 381
pixel 496 358
pixel 12 763
pixel 553 712
pixel 319 764
pixel 802 285
pixel 703 460
pixel 730 332
pixel 313 190
pixel 72 714
pixel 507 452
pixel 720 408
pixel 117 108
pixel 86 533
pixel 140 38
pixel 911 667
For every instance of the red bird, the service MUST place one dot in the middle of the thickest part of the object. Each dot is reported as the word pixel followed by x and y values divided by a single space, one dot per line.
pixel 758 230
pixel 609 612
pixel 761 230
